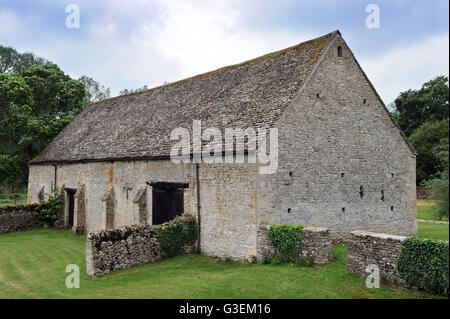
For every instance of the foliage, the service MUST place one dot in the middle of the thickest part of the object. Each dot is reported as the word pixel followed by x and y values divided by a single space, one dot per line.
pixel 276 260
pixel 426 139
pixel 287 239
pixel 305 262
pixel 50 208
pixel 126 91
pixel 424 263
pixel 94 90
pixel 12 61
pixel 440 182
pixel 173 236
pixel 413 108
pixel 35 105
pixel 266 259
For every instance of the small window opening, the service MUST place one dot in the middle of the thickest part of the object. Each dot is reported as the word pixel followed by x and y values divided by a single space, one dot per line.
pixel 290 174
pixel 317 95
pixel 342 174
pixel 364 101
pixel 382 195
pixel 343 209
pixel 392 174
pixel 392 208
pixel 339 50
pixel 289 210
pixel 361 191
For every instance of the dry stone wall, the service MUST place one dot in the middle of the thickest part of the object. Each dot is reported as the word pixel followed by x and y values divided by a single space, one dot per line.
pixel 383 250
pixel 316 245
pixel 126 247
pixel 19 218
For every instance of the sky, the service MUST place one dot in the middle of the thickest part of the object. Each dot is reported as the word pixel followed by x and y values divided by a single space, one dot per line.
pixel 129 44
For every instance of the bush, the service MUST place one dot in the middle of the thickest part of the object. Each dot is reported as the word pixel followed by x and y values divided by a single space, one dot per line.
pixel 266 260
pixel 423 263
pixel 50 208
pixel 287 239
pixel 440 182
pixel 173 236
pixel 276 260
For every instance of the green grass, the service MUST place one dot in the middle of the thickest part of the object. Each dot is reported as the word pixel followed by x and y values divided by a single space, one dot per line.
pixel 433 231
pixel 8 199
pixel 33 263
pixel 426 210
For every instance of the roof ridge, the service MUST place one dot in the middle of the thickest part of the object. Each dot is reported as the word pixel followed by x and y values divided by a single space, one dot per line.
pixel 228 67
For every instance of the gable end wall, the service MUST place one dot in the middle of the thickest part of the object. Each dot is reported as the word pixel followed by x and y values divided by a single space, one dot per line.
pixel 329 131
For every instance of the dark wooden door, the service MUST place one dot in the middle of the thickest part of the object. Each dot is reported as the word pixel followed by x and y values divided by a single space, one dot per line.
pixel 71 202
pixel 167 203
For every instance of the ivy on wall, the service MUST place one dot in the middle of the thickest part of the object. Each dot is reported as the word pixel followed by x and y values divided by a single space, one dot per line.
pixel 287 239
pixel 173 236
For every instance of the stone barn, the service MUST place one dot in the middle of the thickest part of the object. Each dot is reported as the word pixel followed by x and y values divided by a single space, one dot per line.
pixel 342 162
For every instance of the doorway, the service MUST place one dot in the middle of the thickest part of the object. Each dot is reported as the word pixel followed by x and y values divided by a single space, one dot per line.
pixel 167 202
pixel 70 206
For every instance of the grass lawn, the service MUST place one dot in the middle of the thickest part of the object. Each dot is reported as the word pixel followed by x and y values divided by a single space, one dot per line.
pixel 425 210
pixel 8 199
pixel 433 231
pixel 33 263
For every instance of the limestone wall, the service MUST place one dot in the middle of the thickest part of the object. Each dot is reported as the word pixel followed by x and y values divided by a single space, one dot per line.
pixel 382 250
pixel 119 189
pixel 19 218
pixel 343 164
pixel 111 250
pixel 316 245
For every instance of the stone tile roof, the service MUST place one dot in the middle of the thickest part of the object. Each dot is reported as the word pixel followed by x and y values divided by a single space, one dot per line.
pixel 250 94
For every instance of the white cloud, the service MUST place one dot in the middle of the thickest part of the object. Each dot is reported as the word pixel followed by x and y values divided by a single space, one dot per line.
pixel 205 37
pixel 409 67
pixel 10 24
pixel 180 38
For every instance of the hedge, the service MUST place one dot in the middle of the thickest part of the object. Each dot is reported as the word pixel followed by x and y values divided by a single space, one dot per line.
pixel 287 239
pixel 424 264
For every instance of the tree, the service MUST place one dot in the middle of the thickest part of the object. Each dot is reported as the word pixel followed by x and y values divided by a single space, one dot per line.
pixel 425 140
pixel 94 90
pixel 415 107
pixel 126 91
pixel 35 105
pixel 12 61
pixel 15 108
pixel 440 182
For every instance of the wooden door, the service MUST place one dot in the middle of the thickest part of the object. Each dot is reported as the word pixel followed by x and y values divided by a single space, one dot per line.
pixel 167 203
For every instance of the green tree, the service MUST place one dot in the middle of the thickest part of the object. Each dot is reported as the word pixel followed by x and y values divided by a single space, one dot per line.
pixel 126 91
pixel 35 105
pixel 412 108
pixel 94 90
pixel 15 109
pixel 425 140
pixel 12 61
pixel 440 182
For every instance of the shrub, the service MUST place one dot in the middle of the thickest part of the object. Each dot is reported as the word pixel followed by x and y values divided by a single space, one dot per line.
pixel 50 208
pixel 287 239
pixel 424 264
pixel 173 236
pixel 305 262
pixel 266 260
pixel 276 260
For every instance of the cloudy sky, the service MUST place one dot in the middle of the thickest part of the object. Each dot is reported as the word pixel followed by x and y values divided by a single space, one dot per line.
pixel 128 44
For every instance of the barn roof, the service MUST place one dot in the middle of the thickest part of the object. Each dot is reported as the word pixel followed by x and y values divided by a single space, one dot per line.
pixel 251 94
